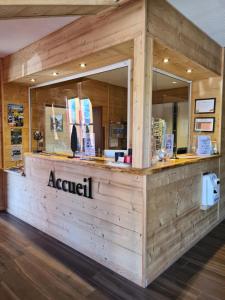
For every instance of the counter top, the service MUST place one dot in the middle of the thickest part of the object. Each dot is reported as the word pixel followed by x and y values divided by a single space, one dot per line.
pixel 102 163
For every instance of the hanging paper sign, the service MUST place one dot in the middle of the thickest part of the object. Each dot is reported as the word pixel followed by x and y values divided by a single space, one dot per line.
pixel 89 144
pixel 86 112
pixel 73 105
pixel 169 144
pixel 16 153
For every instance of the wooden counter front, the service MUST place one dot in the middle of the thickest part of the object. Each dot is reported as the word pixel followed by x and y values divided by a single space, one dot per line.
pixel 137 223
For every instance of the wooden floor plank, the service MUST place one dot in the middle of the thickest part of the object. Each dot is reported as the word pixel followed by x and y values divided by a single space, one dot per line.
pixel 36 266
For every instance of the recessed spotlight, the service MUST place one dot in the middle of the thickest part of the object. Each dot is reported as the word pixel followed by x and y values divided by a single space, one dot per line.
pixel 189 70
pixel 55 73
pixel 32 80
pixel 83 65
pixel 174 82
pixel 166 60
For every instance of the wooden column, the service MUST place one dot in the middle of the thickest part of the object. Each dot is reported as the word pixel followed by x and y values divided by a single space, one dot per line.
pixel 142 101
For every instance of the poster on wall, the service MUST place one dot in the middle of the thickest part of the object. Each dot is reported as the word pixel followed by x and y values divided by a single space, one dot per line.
pixel 16 153
pixel 15 115
pixel 205 106
pixel 57 123
pixel 16 136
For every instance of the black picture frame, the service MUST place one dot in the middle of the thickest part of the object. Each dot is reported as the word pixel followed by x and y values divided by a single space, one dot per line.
pixel 205 112
pixel 203 118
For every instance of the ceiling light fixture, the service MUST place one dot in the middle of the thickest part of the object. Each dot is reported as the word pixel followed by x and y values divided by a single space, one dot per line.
pixel 83 65
pixel 174 82
pixel 166 60
pixel 55 73
pixel 32 80
pixel 189 70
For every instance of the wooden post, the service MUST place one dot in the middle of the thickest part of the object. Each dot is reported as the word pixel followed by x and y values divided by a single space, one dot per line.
pixel 142 101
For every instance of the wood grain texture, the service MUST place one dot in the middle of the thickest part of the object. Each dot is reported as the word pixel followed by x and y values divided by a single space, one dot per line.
pixel 86 36
pixel 107 228
pixel 173 29
pixel 174 219
pixel 207 88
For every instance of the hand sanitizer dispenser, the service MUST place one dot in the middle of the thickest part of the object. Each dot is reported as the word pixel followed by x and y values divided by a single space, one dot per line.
pixel 210 190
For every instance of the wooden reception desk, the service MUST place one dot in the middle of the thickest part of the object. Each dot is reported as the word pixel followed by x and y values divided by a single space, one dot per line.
pixel 135 222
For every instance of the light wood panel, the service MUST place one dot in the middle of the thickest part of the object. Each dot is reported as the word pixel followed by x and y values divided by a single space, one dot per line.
pixel 107 228
pixel 142 101
pixel 170 95
pixel 174 30
pixel 208 88
pixel 81 38
pixel 99 59
pixel 178 63
pixel 174 219
pixel 14 94
pixel 15 9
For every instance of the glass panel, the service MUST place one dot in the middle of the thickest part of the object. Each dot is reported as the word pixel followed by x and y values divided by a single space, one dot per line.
pixel 93 108
pixel 170 111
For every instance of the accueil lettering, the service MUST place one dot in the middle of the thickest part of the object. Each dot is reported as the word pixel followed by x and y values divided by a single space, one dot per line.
pixel 81 189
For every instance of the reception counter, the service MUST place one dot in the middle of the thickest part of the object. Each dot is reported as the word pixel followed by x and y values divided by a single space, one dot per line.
pixel 135 222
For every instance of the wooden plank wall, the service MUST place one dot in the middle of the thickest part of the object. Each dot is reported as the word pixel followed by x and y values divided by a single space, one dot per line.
pixel 174 30
pixel 174 219
pixel 14 94
pixel 107 228
pixel 207 88
pixel 83 37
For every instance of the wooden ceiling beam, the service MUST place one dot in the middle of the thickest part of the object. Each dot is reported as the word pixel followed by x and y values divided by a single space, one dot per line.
pixel 15 9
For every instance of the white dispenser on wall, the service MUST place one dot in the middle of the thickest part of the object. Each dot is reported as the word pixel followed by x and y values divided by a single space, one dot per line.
pixel 210 190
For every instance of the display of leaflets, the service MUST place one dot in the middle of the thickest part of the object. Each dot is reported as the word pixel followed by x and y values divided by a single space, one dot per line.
pixel 169 144
pixel 204 145
pixel 89 144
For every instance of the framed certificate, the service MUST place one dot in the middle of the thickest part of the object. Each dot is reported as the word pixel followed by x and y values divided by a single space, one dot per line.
pixel 205 106
pixel 204 124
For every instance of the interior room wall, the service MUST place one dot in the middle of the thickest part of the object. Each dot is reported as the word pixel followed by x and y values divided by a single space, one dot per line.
pixel 207 88
pixel 14 93
pixel 112 99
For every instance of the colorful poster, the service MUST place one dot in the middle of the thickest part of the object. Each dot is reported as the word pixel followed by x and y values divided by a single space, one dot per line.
pixel 15 115
pixel 16 153
pixel 16 136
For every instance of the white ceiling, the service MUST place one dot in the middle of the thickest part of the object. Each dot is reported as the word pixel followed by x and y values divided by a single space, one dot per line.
pixel 208 15
pixel 17 34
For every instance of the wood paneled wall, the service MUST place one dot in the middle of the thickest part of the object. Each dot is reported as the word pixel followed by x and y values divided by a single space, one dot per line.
pixel 86 36
pixel 14 94
pixel 174 30
pixel 107 228
pixel 112 99
pixel 208 88
pixel 174 221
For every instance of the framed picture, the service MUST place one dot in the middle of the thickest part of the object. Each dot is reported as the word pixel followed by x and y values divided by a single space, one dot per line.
pixel 204 124
pixel 205 106
pixel 16 136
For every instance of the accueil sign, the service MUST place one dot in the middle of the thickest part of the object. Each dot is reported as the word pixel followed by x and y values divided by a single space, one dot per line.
pixel 81 189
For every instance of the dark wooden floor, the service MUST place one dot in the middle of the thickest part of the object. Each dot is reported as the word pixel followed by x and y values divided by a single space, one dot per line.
pixel 35 266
